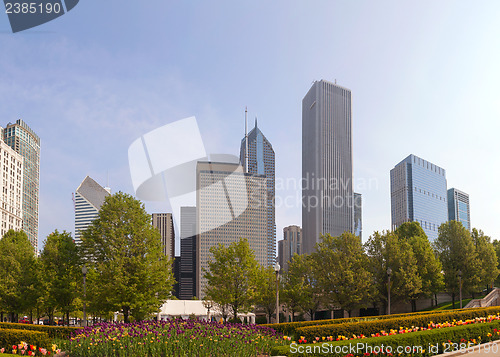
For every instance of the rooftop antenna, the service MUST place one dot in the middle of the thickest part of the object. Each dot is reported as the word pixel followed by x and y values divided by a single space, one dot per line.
pixel 246 141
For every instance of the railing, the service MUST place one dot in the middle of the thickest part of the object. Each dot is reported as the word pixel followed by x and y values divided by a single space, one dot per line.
pixel 492 299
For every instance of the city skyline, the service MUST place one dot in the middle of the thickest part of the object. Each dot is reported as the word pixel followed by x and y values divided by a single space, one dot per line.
pixel 423 77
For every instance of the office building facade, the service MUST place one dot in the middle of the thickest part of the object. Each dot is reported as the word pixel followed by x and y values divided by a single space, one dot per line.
pixel 459 207
pixel 261 161
pixel 23 140
pixel 327 189
pixel 89 197
pixel 292 244
pixel 418 194
pixel 11 165
pixel 230 205
pixel 358 216
pixel 165 225
pixel 188 271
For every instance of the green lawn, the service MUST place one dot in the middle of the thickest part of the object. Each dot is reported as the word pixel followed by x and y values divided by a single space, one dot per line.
pixel 448 305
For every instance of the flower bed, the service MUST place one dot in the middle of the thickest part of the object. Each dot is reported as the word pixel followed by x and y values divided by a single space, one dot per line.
pixel 172 338
pixel 396 323
pixel 418 344
pixel 51 331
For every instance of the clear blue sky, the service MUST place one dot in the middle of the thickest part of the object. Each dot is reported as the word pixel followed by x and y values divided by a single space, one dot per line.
pixel 425 79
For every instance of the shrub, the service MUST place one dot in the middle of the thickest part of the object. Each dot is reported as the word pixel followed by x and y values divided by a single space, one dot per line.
pixel 433 342
pixel 289 328
pixel 51 331
pixel 10 337
pixel 371 327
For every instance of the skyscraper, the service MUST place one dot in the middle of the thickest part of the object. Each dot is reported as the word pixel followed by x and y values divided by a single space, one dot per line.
pixel 261 161
pixel 292 244
pixel 20 137
pixel 89 197
pixel 418 194
pixel 165 224
pixel 11 166
pixel 327 191
pixel 458 207
pixel 188 271
pixel 230 205
pixel 358 217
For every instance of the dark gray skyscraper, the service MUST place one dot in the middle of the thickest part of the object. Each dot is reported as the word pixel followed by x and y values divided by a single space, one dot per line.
pixel 327 190
pixel 261 162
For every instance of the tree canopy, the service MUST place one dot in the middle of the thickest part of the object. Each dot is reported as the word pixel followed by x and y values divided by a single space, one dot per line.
pixel 124 251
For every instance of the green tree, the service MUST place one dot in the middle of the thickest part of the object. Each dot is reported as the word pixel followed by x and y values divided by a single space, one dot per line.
pixel 385 251
pixel 496 246
pixel 232 276
pixel 428 266
pixel 17 269
pixel 60 265
pixel 341 269
pixel 487 258
pixel 130 271
pixel 266 290
pixel 456 251
pixel 297 286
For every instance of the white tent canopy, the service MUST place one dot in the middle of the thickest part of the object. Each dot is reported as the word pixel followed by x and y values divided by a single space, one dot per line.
pixel 187 308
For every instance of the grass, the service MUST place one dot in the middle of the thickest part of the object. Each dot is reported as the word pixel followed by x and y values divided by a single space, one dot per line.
pixel 449 305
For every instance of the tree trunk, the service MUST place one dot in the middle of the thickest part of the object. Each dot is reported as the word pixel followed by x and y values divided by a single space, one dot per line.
pixel 413 305
pixel 436 297
pixel 453 300
pixel 349 312
pixel 125 315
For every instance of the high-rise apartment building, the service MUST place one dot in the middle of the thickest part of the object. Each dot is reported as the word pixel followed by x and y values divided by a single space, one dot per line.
pixel 230 205
pixel 261 161
pixel 292 244
pixel 165 224
pixel 188 271
pixel 327 189
pixel 358 217
pixel 458 207
pixel 418 194
pixel 11 166
pixel 89 197
pixel 20 137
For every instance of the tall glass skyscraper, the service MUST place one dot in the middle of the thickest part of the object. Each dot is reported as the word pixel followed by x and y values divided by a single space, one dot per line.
pixel 418 194
pixel 458 207
pixel 261 161
pixel 20 137
pixel 327 190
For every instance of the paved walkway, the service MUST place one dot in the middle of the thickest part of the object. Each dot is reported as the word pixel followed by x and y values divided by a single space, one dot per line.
pixel 490 349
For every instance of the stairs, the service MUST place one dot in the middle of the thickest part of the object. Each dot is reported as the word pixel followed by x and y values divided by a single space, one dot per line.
pixel 492 299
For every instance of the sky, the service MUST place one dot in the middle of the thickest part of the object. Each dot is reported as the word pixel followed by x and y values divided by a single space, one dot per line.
pixel 424 76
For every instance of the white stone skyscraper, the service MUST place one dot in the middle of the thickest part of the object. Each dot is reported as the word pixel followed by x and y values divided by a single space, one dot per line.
pixel 89 197
pixel 327 188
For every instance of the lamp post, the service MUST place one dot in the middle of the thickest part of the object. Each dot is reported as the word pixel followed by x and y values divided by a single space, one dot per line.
pixel 84 272
pixel 389 273
pixel 208 305
pixel 460 285
pixel 277 270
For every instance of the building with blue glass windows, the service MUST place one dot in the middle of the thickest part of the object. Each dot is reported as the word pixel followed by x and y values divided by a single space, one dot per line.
pixel 261 161
pixel 458 207
pixel 418 194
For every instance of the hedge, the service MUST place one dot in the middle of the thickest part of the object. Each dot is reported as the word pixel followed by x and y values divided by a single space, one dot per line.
pixel 438 339
pixel 289 328
pixel 51 331
pixel 10 337
pixel 374 326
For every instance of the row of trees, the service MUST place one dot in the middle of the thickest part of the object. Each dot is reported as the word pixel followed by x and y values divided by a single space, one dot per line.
pixel 126 269
pixel 343 273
